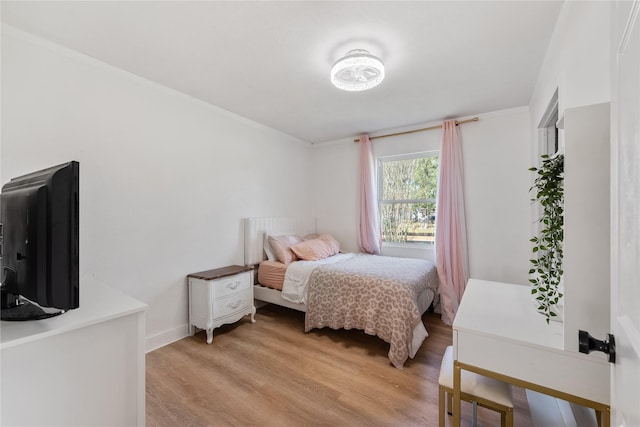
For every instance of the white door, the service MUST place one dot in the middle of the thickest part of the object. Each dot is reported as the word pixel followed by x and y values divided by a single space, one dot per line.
pixel 625 213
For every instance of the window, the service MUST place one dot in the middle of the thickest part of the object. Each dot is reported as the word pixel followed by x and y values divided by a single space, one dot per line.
pixel 549 136
pixel 407 188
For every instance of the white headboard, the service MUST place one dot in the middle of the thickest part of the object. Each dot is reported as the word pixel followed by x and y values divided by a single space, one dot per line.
pixel 255 229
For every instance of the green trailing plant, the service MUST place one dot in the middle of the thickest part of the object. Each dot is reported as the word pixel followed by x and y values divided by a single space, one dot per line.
pixel 546 272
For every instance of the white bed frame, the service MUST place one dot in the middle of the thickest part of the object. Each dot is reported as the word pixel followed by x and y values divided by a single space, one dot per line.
pixel 254 232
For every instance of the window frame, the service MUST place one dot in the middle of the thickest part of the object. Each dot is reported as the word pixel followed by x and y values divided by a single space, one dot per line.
pixel 548 128
pixel 380 176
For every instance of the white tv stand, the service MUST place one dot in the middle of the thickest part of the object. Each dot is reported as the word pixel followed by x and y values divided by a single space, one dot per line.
pixel 83 368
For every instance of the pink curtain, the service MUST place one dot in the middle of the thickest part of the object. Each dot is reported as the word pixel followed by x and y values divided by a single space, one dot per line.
pixel 370 234
pixel 451 231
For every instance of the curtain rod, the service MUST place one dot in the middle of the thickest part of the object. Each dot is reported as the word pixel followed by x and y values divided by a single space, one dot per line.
pixel 475 119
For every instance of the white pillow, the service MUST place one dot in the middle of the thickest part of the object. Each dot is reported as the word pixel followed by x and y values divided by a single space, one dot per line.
pixel 267 248
pixel 271 255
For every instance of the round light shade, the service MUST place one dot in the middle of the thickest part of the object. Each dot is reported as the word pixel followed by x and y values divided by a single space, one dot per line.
pixel 357 70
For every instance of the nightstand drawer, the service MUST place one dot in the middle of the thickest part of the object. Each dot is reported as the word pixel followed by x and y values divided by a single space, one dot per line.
pixel 232 304
pixel 229 285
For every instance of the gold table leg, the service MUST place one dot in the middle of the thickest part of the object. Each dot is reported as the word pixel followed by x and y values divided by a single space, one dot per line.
pixel 456 394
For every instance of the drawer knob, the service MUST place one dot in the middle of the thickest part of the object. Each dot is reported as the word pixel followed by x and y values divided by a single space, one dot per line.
pixel 233 285
pixel 234 304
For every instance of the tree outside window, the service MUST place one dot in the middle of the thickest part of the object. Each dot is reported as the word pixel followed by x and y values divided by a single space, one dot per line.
pixel 407 198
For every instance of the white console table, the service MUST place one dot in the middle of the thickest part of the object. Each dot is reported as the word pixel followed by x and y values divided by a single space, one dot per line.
pixel 497 333
pixel 83 368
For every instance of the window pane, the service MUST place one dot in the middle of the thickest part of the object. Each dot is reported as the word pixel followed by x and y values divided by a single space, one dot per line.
pixel 407 204
pixel 409 223
pixel 410 179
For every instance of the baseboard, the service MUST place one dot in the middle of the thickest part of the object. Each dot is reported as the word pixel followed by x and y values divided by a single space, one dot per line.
pixel 167 337
pixel 547 411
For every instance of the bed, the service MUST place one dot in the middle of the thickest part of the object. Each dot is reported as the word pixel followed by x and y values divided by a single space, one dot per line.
pixel 382 296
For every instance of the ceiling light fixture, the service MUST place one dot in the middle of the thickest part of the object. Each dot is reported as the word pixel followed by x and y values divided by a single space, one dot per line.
pixel 357 70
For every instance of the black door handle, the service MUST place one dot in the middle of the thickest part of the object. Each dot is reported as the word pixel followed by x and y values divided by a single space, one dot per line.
pixel 587 344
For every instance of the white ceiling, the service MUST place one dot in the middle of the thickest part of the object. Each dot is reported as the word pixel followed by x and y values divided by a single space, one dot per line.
pixel 270 61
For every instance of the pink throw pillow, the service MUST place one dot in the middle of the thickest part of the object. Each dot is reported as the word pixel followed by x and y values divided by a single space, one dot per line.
pixel 321 247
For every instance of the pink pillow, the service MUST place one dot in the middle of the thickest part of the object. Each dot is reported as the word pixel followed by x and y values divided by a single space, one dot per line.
pixel 321 247
pixel 280 245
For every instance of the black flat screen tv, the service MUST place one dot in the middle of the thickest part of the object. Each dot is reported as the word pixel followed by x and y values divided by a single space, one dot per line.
pixel 40 243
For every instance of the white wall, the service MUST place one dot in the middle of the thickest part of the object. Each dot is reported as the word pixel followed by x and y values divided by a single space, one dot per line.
pixel 496 159
pixel 577 60
pixel 577 63
pixel 586 224
pixel 165 179
pixel 334 186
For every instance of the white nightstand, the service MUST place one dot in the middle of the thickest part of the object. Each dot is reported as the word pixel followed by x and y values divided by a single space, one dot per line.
pixel 220 296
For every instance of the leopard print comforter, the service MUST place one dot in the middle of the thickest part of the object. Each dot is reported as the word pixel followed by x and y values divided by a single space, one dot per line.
pixel 375 294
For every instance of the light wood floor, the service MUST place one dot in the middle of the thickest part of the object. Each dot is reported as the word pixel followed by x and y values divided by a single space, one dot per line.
pixel 273 374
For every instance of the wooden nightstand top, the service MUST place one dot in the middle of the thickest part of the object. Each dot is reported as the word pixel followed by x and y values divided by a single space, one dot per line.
pixel 217 273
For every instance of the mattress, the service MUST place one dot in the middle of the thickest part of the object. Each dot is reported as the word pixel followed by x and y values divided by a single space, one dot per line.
pixel 271 274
